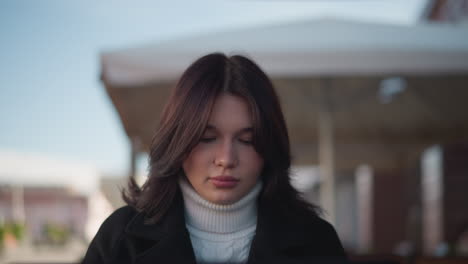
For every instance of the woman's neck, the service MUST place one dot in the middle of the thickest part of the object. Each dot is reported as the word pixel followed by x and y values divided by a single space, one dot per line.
pixel 209 217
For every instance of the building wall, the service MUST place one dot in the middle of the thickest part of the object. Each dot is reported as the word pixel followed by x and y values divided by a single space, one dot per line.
pixel 455 193
pixel 47 205
pixel 444 196
pixel 389 210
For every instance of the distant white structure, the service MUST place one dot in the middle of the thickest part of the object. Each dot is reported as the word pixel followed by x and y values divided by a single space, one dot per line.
pixel 37 190
pixel 99 208
pixel 305 178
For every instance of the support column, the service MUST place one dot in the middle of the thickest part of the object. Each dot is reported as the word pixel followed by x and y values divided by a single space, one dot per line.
pixel 326 152
pixel 346 208
pixel 17 193
pixel 444 196
pixel 364 204
pixel 135 147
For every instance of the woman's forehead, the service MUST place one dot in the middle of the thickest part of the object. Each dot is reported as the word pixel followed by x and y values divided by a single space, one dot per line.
pixel 230 112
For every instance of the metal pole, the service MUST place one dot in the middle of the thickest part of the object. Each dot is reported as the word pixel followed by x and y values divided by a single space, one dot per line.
pixel 326 152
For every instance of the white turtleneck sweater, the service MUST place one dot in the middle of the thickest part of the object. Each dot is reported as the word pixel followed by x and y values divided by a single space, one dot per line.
pixel 220 233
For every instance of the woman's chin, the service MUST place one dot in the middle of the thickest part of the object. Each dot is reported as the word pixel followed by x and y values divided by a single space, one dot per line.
pixel 223 200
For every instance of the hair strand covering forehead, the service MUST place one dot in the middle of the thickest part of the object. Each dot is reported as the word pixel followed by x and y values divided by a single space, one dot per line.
pixel 186 116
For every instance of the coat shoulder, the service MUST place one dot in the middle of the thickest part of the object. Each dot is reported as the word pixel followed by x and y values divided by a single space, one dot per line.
pixel 109 235
pixel 120 217
pixel 114 225
pixel 298 237
pixel 321 225
pixel 325 237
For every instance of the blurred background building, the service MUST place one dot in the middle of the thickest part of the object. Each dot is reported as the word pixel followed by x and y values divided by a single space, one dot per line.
pixel 51 204
pixel 375 107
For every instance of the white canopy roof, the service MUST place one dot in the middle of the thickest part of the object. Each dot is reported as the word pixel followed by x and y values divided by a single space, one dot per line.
pixel 42 171
pixel 315 47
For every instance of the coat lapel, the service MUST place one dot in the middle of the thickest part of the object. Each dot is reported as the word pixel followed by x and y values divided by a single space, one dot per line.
pixel 274 236
pixel 293 238
pixel 165 242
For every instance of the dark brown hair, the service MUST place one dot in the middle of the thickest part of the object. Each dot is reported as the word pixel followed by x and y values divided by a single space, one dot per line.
pixel 185 118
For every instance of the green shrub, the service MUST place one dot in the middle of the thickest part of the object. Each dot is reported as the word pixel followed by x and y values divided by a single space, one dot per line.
pixel 56 234
pixel 17 230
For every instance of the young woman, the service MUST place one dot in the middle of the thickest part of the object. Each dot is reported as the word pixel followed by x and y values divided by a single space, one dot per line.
pixel 218 189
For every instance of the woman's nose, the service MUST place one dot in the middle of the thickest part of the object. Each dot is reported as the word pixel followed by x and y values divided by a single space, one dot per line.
pixel 226 155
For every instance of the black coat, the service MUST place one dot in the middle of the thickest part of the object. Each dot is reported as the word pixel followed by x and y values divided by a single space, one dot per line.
pixel 125 238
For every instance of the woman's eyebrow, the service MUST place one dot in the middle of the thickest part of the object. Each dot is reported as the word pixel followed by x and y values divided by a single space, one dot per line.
pixel 241 131
pixel 246 130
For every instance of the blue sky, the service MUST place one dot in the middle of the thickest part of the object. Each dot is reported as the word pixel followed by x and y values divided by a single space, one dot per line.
pixel 51 100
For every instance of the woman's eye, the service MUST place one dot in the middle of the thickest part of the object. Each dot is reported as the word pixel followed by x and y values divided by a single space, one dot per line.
pixel 246 141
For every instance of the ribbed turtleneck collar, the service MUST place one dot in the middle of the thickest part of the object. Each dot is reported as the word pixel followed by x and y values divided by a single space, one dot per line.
pixel 210 217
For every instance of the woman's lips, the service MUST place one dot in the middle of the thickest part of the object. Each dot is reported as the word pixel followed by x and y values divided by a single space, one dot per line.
pixel 224 181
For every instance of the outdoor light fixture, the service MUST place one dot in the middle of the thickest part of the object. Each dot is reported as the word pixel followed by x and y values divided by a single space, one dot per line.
pixel 391 87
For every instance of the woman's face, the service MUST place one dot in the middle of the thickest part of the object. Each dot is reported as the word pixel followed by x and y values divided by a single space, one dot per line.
pixel 224 166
